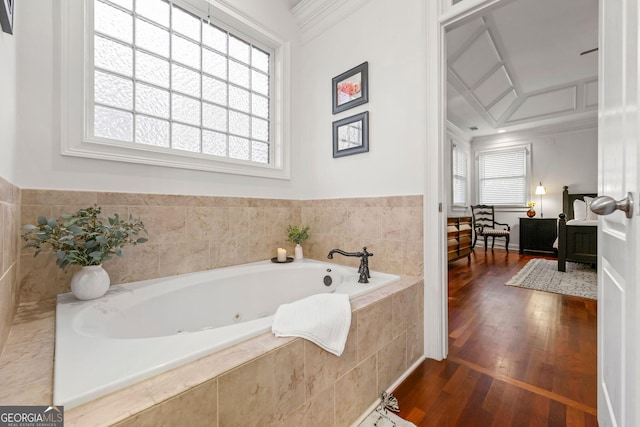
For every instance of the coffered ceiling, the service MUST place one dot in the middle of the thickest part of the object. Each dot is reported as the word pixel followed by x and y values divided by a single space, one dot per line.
pixel 520 66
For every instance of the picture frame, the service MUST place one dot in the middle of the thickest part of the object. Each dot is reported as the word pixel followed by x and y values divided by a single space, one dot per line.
pixel 6 15
pixel 351 135
pixel 350 88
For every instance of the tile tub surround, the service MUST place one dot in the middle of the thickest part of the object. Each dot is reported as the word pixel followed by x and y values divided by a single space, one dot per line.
pixel 264 381
pixel 9 283
pixel 195 233
pixel 186 234
pixel 390 227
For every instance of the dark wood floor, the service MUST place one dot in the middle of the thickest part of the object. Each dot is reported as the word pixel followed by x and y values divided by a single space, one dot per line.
pixel 517 357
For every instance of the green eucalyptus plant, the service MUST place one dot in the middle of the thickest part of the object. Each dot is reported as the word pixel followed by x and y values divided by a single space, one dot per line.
pixel 83 238
pixel 298 234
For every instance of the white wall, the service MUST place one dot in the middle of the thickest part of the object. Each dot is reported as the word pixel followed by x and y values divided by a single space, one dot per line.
pixel 8 140
pixel 42 165
pixel 392 40
pixel 564 157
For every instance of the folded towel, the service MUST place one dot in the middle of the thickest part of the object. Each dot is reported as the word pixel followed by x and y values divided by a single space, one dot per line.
pixel 323 319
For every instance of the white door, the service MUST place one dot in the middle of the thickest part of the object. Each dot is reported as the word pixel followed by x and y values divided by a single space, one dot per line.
pixel 618 236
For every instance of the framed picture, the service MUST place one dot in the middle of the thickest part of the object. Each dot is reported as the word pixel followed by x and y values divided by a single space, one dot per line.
pixel 351 135
pixel 351 88
pixel 6 15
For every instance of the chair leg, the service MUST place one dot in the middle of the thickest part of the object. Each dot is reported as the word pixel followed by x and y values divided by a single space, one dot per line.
pixel 493 242
pixel 507 244
pixel 474 241
pixel 485 243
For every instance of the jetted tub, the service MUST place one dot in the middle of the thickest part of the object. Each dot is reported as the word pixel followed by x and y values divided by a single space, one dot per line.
pixel 138 330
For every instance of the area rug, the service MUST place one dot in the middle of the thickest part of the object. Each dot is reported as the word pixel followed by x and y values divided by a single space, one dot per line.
pixel 542 275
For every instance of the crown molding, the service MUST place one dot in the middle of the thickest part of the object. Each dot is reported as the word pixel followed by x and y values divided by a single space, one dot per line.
pixel 314 17
pixel 588 122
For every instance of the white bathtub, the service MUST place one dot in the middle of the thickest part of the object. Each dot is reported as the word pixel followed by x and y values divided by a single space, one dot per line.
pixel 141 329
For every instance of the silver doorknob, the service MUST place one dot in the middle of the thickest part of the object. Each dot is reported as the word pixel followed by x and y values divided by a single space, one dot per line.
pixel 604 205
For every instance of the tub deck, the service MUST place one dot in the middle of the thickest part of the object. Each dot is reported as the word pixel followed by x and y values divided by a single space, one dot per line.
pixel 26 364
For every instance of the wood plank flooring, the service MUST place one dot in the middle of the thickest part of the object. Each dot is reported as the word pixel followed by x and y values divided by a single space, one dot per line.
pixel 517 357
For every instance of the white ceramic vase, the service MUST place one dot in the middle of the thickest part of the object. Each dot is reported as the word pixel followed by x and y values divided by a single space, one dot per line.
pixel 91 282
pixel 298 251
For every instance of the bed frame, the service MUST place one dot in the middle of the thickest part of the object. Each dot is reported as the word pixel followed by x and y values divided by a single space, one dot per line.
pixel 577 243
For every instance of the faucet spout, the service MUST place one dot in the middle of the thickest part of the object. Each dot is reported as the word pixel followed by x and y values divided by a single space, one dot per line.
pixel 364 261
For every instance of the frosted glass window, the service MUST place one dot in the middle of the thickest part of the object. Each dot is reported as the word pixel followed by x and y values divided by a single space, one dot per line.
pixel 113 22
pixel 152 131
pixel 151 100
pixel 214 143
pixel 239 99
pixel 260 106
pixel 260 129
pixel 185 109
pixel 214 117
pixel 260 60
pixel 260 82
pixel 165 77
pixel 152 69
pixel 260 152
pixel 113 90
pixel 185 80
pixel 238 123
pixel 112 56
pixel 214 64
pixel 239 74
pixel 112 124
pixel 214 37
pixel 186 24
pixel 238 49
pixel 157 11
pixel 185 138
pixel 185 51
pixel 239 148
pixel 214 90
pixel 152 38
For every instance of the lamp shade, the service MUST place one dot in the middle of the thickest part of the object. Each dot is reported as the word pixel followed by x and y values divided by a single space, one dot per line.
pixel 540 190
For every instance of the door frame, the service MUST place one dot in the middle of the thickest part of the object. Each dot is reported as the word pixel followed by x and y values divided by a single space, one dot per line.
pixel 441 15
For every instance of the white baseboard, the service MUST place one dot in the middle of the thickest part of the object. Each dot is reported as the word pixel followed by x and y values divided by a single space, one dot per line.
pixel 389 390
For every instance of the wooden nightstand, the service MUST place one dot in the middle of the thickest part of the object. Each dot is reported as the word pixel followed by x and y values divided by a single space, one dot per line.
pixel 538 234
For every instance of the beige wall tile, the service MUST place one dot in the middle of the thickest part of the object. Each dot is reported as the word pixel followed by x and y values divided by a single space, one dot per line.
pixel 163 223
pixel 405 309
pixel 323 368
pixel 180 258
pixel 318 411
pixel 58 197
pixel 41 278
pixel 272 386
pixel 375 327
pixel 197 407
pixel 392 361
pixel 356 391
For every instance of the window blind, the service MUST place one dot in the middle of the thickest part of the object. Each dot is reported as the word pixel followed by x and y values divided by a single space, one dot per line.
pixel 459 176
pixel 502 177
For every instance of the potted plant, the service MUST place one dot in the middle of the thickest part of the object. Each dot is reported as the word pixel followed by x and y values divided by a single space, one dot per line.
pixel 298 235
pixel 85 239
pixel 531 213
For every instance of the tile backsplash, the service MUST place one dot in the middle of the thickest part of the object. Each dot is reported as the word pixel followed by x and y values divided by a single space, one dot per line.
pixel 194 233
pixel 9 283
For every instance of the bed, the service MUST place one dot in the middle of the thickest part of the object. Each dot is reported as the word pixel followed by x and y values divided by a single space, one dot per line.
pixel 577 237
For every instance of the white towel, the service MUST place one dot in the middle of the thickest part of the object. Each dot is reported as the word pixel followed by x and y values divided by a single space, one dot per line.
pixel 323 319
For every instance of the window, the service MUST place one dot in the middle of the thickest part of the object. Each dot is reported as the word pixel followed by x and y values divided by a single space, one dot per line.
pixel 502 177
pixel 167 85
pixel 459 172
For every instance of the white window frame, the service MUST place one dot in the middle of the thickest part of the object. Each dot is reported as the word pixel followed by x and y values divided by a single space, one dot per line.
pixel 461 151
pixel 76 65
pixel 498 148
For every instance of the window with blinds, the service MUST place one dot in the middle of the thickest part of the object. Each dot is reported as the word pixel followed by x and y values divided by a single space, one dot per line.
pixel 459 172
pixel 502 177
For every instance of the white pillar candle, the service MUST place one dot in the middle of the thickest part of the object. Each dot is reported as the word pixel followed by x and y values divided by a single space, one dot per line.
pixel 282 255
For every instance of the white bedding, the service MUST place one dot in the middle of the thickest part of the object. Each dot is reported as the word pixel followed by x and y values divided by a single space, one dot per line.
pixel 582 222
